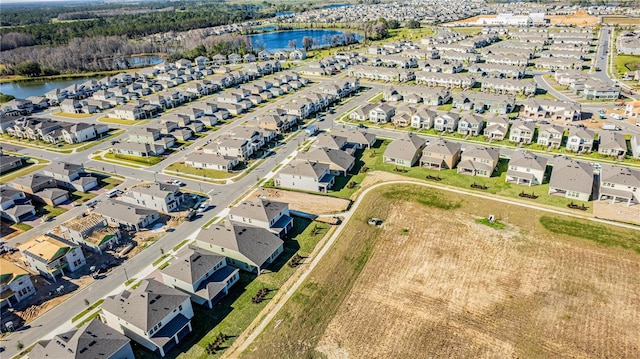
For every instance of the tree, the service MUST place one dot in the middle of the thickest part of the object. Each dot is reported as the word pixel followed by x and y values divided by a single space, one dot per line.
pixel 293 43
pixel 380 31
pixel 413 24
pixel 393 24
pixel 29 69
pixel 308 42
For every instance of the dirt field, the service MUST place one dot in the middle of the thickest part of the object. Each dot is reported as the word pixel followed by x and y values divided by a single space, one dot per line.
pixel 305 202
pixel 580 18
pixel 434 283
pixel 617 211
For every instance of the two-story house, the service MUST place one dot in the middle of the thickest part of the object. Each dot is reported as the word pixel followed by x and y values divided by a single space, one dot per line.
pixel 526 168
pixel 447 122
pixel 126 215
pixel 265 213
pixel 71 176
pixel 202 274
pixel 15 206
pixel 15 284
pixel 550 136
pixel 470 124
pixel 479 161
pixel 91 340
pixel 161 197
pixel 522 132
pixel 340 162
pixel 153 315
pixel 51 256
pixel 246 247
pixel 571 179
pixel 440 154
pixel 497 128
pixel 404 151
pixel 612 144
pixel 305 175
pixel 619 183
pixel 580 140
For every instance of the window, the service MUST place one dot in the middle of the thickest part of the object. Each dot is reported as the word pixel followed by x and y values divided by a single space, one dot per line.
pixel 180 307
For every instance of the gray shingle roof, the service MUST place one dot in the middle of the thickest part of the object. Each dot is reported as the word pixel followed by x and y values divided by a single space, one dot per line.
pixel 259 208
pixel 92 340
pixel 443 147
pixel 330 156
pixel 145 306
pixel 305 169
pixel 572 175
pixel 405 147
pixel 255 243
pixel 191 264
pixel 528 160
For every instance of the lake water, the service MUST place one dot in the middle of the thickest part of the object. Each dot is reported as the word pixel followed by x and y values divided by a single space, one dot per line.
pixel 39 88
pixel 335 5
pixel 273 41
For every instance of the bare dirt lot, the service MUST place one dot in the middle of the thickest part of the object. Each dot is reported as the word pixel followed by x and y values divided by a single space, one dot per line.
pixel 432 282
pixel 580 18
pixel 305 202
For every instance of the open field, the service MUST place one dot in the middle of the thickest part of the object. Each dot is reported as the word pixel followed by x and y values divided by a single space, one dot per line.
pixel 432 280
pixel 625 63
pixel 580 18
pixel 305 202
pixel 620 20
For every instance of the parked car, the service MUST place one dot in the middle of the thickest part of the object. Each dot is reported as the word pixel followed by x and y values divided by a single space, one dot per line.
pixel 178 183
pixel 204 207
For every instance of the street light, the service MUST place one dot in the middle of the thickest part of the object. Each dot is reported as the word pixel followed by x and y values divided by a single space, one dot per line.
pixel 125 273
pixel 154 176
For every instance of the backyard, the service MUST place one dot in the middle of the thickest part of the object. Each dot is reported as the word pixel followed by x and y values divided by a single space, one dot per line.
pixel 236 311
pixel 432 280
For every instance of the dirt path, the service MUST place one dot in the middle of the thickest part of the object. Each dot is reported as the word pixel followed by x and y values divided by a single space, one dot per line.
pixel 304 202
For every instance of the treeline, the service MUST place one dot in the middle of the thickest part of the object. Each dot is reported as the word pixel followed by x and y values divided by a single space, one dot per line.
pixel 132 25
pixel 82 54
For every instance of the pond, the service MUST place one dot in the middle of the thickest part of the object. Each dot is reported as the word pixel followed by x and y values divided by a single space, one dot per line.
pixel 279 40
pixel 41 87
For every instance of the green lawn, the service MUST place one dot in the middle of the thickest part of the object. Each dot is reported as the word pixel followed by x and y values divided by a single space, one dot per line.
pixel 162 257
pixel 179 245
pixel 49 211
pixel 625 63
pixel 235 312
pixel 627 239
pixel 81 197
pixel 111 134
pixel 84 312
pixel 207 173
pixel 467 30
pixel 108 182
pixel 122 122
pixel 410 34
pixel 496 185
pixel 145 161
pixel 30 167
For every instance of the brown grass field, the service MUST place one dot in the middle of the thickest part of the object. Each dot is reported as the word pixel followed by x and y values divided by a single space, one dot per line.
pixel 433 283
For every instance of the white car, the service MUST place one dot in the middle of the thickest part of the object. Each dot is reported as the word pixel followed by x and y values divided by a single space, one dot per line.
pixel 177 183
pixel 203 207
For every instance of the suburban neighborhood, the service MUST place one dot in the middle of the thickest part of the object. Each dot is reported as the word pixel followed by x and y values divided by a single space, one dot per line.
pixel 174 209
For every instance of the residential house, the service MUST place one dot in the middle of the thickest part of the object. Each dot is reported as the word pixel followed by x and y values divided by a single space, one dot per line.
pixel 354 138
pixel 445 80
pixel 229 146
pixel 91 340
pixel 340 162
pixel 381 113
pixel 620 183
pixel 126 215
pixel 509 87
pixel 571 179
pixel 212 161
pixel 522 132
pixel 137 149
pixel 10 163
pixel 153 315
pixel 470 125
pixel 15 206
pixel 202 274
pixel 362 112
pixel 92 231
pixel 161 197
pixel 71 176
pixel 550 136
pixel 542 109
pixel 479 102
pixel 526 168
pixel 612 144
pixel 404 151
pixel 15 284
pixel 497 128
pixel 447 122
pixel 306 176
pixel 51 256
pixel 635 146
pixel 580 140
pixel 423 118
pixel 41 188
pixel 245 247
pixel 129 111
pixel 632 109
pixel 479 161
pixel 330 140
pixel 381 73
pixel 261 212
pixel 440 154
